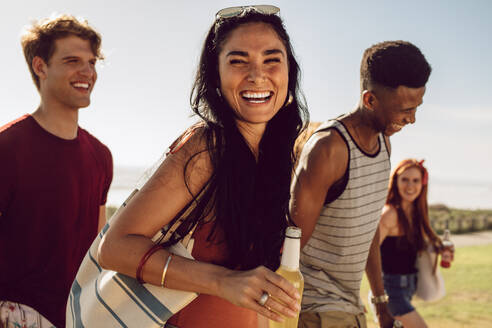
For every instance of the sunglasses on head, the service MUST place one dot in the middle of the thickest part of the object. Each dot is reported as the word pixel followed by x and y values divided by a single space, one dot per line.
pixel 241 10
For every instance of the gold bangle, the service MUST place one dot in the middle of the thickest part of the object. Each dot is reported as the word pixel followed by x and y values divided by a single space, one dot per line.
pixel 164 271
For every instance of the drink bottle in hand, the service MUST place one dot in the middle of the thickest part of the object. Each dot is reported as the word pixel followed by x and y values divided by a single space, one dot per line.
pixel 448 249
pixel 289 269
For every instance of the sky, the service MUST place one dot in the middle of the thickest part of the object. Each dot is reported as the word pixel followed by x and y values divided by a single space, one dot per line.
pixel 140 103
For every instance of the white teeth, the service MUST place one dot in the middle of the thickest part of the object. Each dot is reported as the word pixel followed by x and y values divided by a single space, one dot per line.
pixel 81 85
pixel 256 95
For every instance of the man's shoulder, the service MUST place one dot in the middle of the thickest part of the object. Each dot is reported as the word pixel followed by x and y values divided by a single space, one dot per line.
pixel 14 125
pixel 12 131
pixel 93 141
pixel 326 154
pixel 326 141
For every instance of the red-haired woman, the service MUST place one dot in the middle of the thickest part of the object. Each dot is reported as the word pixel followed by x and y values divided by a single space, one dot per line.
pixel 404 231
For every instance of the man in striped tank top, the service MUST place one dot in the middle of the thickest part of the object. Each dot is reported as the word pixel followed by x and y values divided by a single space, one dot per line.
pixel 341 185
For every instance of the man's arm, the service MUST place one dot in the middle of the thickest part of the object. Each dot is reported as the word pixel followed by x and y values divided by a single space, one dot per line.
pixel 102 218
pixel 374 275
pixel 8 172
pixel 323 161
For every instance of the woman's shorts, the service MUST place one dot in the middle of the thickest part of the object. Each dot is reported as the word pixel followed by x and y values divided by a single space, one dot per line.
pixel 400 289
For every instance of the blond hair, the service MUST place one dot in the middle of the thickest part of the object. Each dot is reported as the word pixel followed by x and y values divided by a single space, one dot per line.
pixel 38 39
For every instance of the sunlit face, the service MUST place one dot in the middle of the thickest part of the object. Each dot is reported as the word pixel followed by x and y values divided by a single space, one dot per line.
pixel 396 108
pixel 409 184
pixel 70 73
pixel 254 73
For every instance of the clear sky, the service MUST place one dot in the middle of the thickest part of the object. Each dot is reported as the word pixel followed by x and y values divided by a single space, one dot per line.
pixel 141 100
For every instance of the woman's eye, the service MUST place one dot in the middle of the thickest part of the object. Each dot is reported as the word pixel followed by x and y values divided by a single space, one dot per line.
pixel 236 61
pixel 273 60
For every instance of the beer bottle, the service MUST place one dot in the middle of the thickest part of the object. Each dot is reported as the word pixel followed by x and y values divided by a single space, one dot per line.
pixel 448 248
pixel 289 269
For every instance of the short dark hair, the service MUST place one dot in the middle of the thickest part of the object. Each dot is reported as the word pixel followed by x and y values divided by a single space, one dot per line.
pixel 39 38
pixel 394 63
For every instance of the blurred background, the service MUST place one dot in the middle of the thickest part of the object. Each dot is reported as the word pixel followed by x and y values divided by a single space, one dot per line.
pixel 141 101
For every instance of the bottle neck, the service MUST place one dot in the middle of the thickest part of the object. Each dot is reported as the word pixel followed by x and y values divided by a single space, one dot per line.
pixel 447 235
pixel 290 254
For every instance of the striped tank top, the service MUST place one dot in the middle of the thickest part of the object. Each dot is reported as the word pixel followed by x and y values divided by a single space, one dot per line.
pixel 334 259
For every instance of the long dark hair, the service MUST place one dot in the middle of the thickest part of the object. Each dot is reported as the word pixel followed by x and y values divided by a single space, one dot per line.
pixel 248 197
pixel 418 230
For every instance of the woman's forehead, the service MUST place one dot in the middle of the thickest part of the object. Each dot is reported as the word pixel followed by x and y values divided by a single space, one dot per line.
pixel 411 171
pixel 254 36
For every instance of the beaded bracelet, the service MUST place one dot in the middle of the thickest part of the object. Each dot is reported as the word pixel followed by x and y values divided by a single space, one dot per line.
pixel 164 271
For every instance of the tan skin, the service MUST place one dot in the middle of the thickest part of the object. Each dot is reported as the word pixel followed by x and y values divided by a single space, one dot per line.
pixel 245 63
pixel 324 160
pixel 65 85
pixel 409 184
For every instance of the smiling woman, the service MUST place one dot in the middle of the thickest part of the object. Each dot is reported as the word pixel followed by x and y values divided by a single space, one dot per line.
pixel 254 73
pixel 239 159
pixel 405 232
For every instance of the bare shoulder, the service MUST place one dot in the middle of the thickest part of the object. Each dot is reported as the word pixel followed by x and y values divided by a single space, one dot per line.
pixel 325 151
pixel 188 161
pixel 389 217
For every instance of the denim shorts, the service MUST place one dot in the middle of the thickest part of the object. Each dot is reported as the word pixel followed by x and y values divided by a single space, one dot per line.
pixel 400 289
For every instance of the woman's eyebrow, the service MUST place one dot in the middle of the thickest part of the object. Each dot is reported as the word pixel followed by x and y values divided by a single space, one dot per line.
pixel 273 51
pixel 246 54
pixel 237 53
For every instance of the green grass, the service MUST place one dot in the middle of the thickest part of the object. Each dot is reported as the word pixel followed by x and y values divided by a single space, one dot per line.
pixel 468 300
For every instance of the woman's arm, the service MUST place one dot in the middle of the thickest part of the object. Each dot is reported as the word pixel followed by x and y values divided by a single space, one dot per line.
pixel 388 225
pixel 155 205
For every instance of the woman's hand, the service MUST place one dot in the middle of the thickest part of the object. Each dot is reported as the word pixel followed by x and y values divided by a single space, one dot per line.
pixel 245 288
pixel 447 254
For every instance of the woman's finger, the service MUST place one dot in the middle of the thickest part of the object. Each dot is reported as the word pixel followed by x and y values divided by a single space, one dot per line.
pixel 283 291
pixel 279 307
pixel 265 310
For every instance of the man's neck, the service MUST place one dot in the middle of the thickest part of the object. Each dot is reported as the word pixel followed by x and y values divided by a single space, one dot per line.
pixel 62 123
pixel 362 127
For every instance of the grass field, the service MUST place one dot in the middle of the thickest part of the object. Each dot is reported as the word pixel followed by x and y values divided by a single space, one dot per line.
pixel 468 300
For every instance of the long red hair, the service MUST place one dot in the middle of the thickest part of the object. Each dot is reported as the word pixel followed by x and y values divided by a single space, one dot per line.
pixel 418 231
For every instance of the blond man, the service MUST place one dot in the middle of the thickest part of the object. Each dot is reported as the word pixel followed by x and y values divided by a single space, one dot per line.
pixel 55 177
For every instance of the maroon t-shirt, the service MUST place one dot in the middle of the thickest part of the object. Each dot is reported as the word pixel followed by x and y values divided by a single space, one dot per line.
pixel 50 193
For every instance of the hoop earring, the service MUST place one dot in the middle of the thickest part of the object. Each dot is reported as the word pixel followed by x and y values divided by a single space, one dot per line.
pixel 289 100
pixel 218 92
